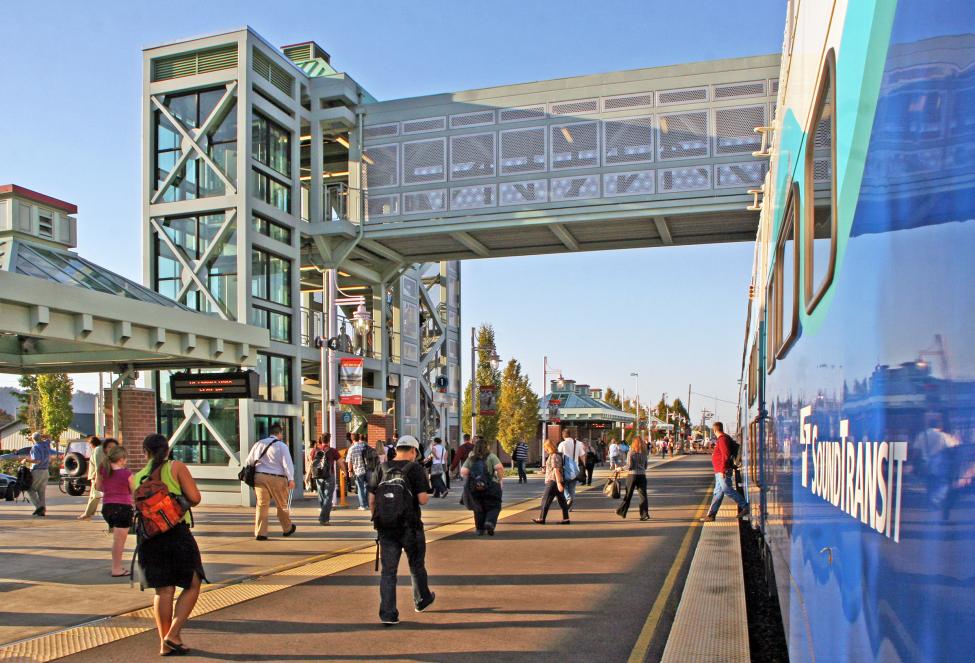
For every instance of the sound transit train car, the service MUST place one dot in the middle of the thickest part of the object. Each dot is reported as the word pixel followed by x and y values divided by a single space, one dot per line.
pixel 857 406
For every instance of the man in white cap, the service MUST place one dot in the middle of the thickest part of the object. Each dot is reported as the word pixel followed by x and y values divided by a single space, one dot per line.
pixel 395 495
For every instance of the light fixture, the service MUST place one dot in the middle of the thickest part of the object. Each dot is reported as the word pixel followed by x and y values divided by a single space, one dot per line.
pixel 561 382
pixel 365 157
pixel 361 319
pixel 495 360
pixel 305 138
pixel 343 141
pixel 340 173
pixel 566 134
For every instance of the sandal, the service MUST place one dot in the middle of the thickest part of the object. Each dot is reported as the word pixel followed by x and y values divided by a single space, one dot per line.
pixel 178 650
pixel 123 574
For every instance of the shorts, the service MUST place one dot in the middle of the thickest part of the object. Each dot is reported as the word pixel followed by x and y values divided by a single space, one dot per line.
pixel 118 515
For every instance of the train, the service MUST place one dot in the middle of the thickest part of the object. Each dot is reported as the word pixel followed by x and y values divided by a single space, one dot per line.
pixel 856 407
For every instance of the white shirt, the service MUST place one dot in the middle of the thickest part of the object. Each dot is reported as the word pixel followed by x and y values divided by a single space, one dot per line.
pixel 438 454
pixel 565 447
pixel 277 460
pixel 614 450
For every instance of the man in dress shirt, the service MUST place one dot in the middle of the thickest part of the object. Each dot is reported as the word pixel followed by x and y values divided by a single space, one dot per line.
pixel 274 479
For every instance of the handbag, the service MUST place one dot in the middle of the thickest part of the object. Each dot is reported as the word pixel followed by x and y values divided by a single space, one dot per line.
pixel 610 487
pixel 248 473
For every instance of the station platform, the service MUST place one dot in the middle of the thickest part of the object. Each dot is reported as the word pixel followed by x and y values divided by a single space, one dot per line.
pixel 601 588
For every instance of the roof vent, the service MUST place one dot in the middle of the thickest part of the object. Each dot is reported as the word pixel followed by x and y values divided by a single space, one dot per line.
pixel 305 51
pixel 196 62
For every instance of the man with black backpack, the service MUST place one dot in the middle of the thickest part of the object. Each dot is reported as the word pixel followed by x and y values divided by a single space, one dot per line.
pixel 723 460
pixel 321 474
pixel 398 489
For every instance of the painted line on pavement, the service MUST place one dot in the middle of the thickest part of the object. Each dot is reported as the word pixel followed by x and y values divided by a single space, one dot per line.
pixel 642 645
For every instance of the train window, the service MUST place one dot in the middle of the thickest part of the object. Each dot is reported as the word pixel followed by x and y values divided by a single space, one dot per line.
pixel 770 326
pixel 753 374
pixel 786 276
pixel 820 188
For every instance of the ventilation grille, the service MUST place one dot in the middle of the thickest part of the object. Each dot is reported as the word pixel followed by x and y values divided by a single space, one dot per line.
pixel 734 129
pixel 574 145
pixel 381 131
pixel 424 125
pixel 822 170
pixel 747 174
pixel 823 138
pixel 739 90
pixel 628 140
pixel 684 179
pixel 382 169
pixel 424 161
pixel 472 119
pixel 575 188
pixel 190 64
pixel 639 182
pixel 278 77
pixel 523 151
pixel 683 135
pixel 575 107
pixel 298 53
pixel 419 202
pixel 472 197
pixel 524 193
pixel 687 95
pixel 472 156
pixel 773 86
pixel 624 102
pixel 521 114
pixel 380 206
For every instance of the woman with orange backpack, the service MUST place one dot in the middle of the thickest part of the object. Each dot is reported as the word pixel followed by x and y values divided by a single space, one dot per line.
pixel 167 552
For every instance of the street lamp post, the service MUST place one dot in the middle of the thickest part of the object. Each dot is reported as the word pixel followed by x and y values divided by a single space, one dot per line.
pixel 495 363
pixel 637 377
pixel 545 373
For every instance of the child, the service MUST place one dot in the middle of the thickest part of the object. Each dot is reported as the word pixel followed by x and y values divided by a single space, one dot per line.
pixel 114 483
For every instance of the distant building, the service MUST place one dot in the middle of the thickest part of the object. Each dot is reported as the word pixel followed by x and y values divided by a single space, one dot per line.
pixel 11 437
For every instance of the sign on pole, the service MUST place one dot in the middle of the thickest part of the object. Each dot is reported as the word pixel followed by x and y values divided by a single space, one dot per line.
pixel 350 380
pixel 553 410
pixel 230 385
pixel 488 401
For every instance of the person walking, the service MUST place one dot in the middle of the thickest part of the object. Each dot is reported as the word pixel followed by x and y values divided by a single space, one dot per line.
pixel 397 491
pixel 321 474
pixel 590 458
pixel 460 455
pixel 483 473
pixel 438 468
pixel 95 458
pixel 723 463
pixel 636 466
pixel 614 455
pixel 274 478
pixel 39 459
pixel 518 458
pixel 356 462
pixel 113 482
pixel 170 559
pixel 573 459
pixel 554 485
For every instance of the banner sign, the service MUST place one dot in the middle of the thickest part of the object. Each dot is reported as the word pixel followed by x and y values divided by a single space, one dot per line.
pixel 488 401
pixel 350 380
pixel 196 386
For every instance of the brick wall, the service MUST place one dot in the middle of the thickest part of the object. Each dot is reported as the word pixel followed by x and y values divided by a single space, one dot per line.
pixel 379 427
pixel 137 418
pixel 340 429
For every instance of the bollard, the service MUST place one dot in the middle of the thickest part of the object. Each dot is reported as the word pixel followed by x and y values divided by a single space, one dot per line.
pixel 342 489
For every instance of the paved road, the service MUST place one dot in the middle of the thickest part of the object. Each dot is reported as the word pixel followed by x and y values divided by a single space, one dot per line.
pixel 531 593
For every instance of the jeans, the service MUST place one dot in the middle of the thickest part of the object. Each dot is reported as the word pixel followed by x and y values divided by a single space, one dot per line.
pixel 570 489
pixel 37 493
pixel 522 475
pixel 439 488
pixel 391 545
pixel 589 469
pixel 360 488
pixel 722 487
pixel 326 493
pixel 635 482
pixel 552 492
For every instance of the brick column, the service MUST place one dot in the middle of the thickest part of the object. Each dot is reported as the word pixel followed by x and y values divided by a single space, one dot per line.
pixel 379 427
pixel 338 437
pixel 137 418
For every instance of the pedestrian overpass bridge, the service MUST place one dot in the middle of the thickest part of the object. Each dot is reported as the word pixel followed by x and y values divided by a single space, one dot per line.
pixel 641 158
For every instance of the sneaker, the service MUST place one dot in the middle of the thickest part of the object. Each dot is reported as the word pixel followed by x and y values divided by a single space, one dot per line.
pixel 490 531
pixel 390 622
pixel 362 508
pixel 538 521
pixel 707 519
pixel 565 522
pixel 423 605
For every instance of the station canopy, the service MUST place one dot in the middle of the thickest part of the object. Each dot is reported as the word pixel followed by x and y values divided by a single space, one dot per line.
pixel 62 313
pixel 579 403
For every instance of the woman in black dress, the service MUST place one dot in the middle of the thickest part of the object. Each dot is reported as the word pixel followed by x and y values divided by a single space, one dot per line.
pixel 170 559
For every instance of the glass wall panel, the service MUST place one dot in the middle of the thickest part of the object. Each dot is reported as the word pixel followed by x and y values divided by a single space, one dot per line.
pixel 196 443
pixel 193 236
pixel 271 144
pixel 275 378
pixel 271 277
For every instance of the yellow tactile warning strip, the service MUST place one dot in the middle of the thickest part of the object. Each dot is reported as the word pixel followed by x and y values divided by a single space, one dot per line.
pixel 713 602
pixel 52 646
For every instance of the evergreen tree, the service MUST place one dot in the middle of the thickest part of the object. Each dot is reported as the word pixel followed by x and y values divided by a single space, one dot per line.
pixel 517 408
pixel 54 390
pixel 612 398
pixel 487 427
pixel 29 411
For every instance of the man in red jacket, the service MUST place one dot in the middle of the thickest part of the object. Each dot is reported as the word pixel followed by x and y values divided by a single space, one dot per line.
pixel 723 463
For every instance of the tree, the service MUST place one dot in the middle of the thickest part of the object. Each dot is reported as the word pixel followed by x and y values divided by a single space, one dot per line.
pixel 55 390
pixel 29 410
pixel 487 427
pixel 517 408
pixel 612 398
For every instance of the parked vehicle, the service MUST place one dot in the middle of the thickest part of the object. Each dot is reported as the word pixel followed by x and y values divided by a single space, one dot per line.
pixel 9 490
pixel 74 470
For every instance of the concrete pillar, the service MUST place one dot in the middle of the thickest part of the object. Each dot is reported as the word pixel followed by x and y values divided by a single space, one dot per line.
pixel 137 419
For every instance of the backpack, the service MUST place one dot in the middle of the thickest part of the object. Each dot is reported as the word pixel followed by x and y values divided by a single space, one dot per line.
pixel 733 449
pixel 478 480
pixel 156 509
pixel 320 467
pixel 393 499
pixel 570 466
pixel 24 478
pixel 371 458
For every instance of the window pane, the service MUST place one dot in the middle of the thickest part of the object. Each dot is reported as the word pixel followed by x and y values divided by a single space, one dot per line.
pixel 259 137
pixel 280 327
pixel 226 131
pixel 822 182
pixel 280 148
pixel 787 290
pixel 280 379
pixel 262 368
pixel 280 283
pixel 210 182
pixel 280 196
pixel 225 156
pixel 259 317
pixel 259 267
pixel 183 107
pixel 167 138
pixel 209 101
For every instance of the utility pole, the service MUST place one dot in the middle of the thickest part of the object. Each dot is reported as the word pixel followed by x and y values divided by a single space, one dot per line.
pixel 474 403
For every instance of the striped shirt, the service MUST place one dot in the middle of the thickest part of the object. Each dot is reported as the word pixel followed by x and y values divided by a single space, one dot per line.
pixel 520 453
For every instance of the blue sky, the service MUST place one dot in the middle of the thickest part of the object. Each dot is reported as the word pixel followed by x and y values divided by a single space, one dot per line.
pixel 70 127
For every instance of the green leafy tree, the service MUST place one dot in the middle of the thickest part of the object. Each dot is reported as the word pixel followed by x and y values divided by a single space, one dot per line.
pixel 517 408
pixel 487 427
pixel 54 390
pixel 612 398
pixel 29 410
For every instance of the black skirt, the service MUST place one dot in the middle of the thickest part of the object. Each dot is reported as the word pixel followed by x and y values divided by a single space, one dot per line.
pixel 117 515
pixel 170 559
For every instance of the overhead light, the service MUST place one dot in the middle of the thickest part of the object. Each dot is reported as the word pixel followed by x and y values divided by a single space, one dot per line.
pixel 341 140
pixel 663 125
pixel 305 138
pixel 566 134
pixel 365 157
pixel 345 274
pixel 305 178
pixel 340 173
